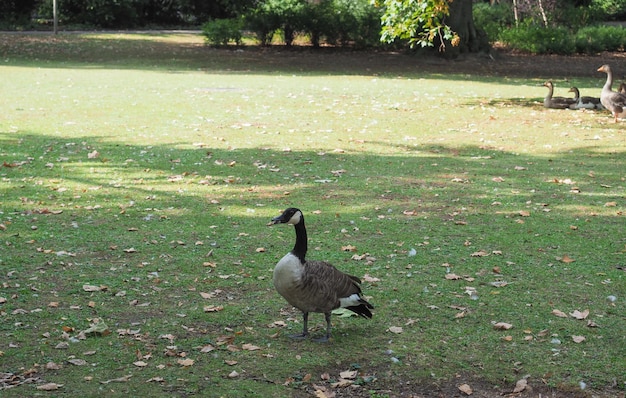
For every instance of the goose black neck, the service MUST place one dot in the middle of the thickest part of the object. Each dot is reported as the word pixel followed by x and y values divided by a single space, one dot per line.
pixel 299 249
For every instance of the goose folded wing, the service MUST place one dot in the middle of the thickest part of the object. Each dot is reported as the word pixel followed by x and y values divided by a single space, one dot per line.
pixel 324 286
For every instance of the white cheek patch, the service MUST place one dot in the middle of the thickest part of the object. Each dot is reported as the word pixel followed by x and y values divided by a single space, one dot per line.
pixel 295 219
pixel 351 301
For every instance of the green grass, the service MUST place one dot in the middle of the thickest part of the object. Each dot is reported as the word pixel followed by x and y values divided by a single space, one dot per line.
pixel 150 165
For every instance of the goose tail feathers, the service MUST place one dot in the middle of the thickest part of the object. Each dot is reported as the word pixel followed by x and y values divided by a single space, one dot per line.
pixel 362 309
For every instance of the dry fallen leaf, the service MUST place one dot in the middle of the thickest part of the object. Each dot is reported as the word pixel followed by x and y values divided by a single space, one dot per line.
pixel 580 315
pixel 520 385
pixel 49 387
pixel 559 313
pixel 185 362
pixel 452 277
pixel 348 374
pixel 250 347
pixel 567 259
pixel 466 389
pixel 502 326
pixel 140 364
pixel 213 308
pixel 370 279
pixel 395 329
pixel 578 339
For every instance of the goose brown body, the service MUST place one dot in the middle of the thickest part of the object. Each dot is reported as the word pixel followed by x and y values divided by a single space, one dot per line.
pixel 584 102
pixel 555 102
pixel 614 102
pixel 314 286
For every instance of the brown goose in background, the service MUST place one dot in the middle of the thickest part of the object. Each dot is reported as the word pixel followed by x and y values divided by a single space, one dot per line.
pixel 615 102
pixel 622 88
pixel 314 286
pixel 584 102
pixel 556 102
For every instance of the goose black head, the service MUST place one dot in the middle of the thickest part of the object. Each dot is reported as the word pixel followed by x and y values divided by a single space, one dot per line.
pixel 291 216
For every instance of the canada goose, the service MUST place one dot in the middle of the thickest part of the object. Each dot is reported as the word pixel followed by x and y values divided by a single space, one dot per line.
pixel 314 286
pixel 555 102
pixel 615 102
pixel 584 102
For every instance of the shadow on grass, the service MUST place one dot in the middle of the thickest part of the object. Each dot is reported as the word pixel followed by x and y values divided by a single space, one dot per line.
pixel 187 52
pixel 97 200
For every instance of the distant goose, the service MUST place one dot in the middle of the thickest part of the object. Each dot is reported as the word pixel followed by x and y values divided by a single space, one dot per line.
pixel 314 286
pixel 555 102
pixel 584 102
pixel 615 102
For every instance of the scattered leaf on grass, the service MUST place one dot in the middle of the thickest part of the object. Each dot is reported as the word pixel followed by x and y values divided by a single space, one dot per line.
pixel 502 326
pixel 559 313
pixel 122 379
pixel 213 308
pixel 233 375
pixel 567 259
pixel 578 339
pixel 370 279
pixel 93 288
pixel 77 362
pixel 580 315
pixel 395 329
pixel 452 277
pixel 348 374
pixel 49 387
pixel 140 364
pixel 250 347
pixel 185 362
pixel 466 389
pixel 520 386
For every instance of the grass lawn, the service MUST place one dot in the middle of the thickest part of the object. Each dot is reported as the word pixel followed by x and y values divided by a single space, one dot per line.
pixel 139 173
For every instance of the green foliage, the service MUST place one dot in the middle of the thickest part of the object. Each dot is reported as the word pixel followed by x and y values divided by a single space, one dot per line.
pixel 569 33
pixel 493 19
pixel 595 39
pixel 334 21
pixel 417 23
pixel 219 32
pixel 357 21
pixel 611 9
pixel 537 39
pixel 273 15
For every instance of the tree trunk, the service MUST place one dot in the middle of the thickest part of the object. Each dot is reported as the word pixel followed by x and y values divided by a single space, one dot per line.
pixel 461 20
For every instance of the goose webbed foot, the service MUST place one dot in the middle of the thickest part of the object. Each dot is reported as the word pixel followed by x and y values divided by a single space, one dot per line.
pixel 299 336
pixel 305 328
pixel 324 339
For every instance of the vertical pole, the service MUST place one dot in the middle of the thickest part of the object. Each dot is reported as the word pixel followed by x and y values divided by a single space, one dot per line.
pixel 55 16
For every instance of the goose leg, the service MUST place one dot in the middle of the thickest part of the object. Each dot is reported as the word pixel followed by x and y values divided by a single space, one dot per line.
pixel 325 338
pixel 305 328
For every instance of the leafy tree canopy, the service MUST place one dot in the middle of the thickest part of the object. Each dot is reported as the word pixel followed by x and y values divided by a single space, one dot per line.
pixel 418 22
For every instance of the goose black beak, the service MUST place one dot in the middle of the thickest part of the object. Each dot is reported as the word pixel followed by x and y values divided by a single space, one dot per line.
pixel 276 220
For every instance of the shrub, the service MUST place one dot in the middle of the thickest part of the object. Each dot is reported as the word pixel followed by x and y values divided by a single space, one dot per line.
pixel 594 39
pixel 540 40
pixel 220 32
pixel 493 19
